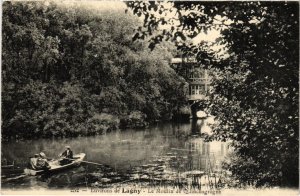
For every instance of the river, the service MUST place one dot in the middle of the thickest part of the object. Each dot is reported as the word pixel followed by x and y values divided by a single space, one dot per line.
pixel 164 151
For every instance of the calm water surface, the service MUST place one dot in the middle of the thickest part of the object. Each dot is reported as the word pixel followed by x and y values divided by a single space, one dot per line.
pixel 159 152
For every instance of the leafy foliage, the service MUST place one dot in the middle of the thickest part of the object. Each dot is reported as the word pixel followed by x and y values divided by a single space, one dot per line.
pixel 70 71
pixel 255 85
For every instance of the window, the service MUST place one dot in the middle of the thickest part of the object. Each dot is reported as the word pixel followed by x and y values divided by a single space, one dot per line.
pixel 197 89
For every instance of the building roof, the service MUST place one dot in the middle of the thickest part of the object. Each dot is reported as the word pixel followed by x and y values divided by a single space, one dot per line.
pixel 176 60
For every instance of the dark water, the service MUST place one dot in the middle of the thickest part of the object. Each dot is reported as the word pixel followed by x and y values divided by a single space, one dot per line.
pixel 162 152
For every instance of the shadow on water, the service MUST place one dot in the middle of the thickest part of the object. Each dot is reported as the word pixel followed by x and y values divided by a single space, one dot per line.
pixel 163 154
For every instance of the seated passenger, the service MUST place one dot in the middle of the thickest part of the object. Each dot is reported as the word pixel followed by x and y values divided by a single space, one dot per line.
pixel 33 161
pixel 42 163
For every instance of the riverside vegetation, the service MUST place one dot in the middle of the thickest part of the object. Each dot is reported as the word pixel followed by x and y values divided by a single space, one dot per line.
pixel 255 89
pixel 69 71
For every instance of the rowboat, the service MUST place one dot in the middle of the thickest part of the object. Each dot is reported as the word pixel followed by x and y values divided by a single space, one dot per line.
pixel 55 165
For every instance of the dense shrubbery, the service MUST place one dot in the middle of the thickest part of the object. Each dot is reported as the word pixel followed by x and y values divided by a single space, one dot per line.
pixel 134 119
pixel 255 90
pixel 101 123
pixel 70 71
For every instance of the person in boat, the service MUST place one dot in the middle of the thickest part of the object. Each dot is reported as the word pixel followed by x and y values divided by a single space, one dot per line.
pixel 39 162
pixel 42 162
pixel 33 161
pixel 66 156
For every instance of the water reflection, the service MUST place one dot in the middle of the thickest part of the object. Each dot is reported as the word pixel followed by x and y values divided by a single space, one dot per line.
pixel 163 152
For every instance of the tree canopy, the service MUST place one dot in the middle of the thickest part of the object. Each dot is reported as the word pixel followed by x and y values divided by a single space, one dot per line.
pixel 255 86
pixel 69 70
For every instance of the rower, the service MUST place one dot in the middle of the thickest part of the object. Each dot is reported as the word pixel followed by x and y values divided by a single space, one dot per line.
pixel 67 155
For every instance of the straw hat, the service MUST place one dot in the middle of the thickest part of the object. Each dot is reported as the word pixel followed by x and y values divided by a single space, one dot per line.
pixel 42 155
pixel 68 147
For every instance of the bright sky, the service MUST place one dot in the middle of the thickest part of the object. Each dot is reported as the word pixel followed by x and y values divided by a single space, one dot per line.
pixel 98 5
pixel 211 36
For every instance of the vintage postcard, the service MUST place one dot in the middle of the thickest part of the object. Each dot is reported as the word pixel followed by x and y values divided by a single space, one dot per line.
pixel 150 98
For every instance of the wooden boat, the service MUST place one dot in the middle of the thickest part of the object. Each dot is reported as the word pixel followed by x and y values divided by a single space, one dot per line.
pixel 55 165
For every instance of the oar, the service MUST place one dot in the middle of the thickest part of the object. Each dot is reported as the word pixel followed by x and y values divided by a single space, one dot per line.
pixel 82 161
pixel 86 162
pixel 13 178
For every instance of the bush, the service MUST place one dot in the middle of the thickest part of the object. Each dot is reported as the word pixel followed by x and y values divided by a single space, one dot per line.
pixel 135 119
pixel 101 123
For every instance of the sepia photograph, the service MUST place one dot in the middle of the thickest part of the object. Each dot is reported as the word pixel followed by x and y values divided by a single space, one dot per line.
pixel 150 97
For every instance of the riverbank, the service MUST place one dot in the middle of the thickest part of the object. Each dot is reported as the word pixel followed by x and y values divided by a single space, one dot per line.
pixel 98 124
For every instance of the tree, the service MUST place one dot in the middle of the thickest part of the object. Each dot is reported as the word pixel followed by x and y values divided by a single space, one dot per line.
pixel 66 67
pixel 255 89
